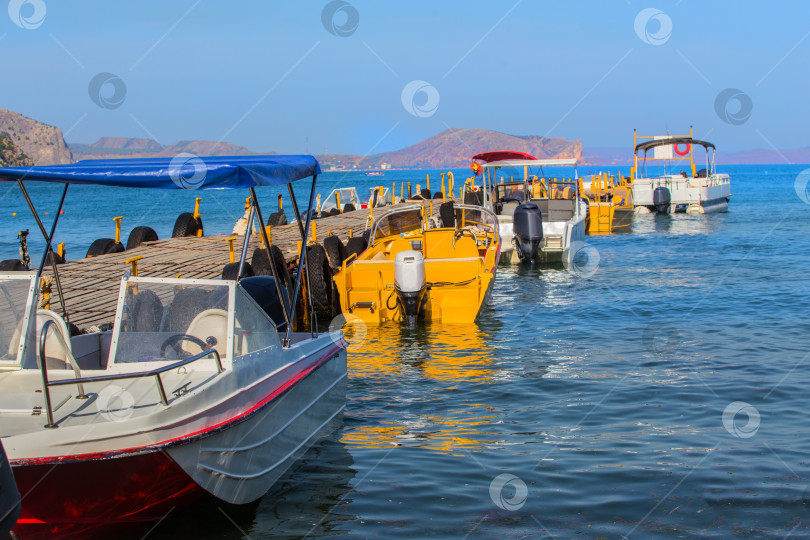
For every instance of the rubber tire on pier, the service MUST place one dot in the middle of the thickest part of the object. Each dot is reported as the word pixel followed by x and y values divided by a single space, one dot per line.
pixel 438 195
pixel 103 246
pixel 320 281
pixel 58 258
pixel 335 252
pixel 261 265
pixel 186 225
pixel 139 235
pixel 230 270
pixel 348 207
pixel 474 197
pixel 356 245
pixel 447 213
pixel 146 312
pixel 333 212
pixel 187 304
pixel 12 265
pixel 425 193
pixel 276 219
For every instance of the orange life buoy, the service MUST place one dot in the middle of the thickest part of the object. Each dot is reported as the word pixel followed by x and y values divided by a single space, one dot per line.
pixel 685 152
pixel 476 168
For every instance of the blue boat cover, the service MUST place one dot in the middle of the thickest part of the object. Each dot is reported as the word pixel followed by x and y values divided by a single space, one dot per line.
pixel 184 171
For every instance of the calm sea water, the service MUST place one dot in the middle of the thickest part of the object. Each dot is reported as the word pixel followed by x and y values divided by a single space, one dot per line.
pixel 662 393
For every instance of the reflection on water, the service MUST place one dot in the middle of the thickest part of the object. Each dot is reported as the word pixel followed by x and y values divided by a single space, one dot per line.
pixel 450 357
pixel 308 501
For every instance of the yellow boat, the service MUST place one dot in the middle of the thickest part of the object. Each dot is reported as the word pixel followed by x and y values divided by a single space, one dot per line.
pixel 610 204
pixel 418 268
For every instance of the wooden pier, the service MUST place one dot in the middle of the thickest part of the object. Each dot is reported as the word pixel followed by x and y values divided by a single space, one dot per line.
pixel 91 285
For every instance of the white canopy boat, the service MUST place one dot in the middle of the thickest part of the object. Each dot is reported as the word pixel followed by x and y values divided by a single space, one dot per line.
pixel 556 201
pixel 201 389
pixel 690 190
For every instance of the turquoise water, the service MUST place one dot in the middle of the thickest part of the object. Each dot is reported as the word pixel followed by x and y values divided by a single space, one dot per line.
pixel 609 399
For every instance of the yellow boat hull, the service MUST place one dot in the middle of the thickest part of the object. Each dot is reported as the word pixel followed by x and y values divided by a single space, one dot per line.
pixel 459 271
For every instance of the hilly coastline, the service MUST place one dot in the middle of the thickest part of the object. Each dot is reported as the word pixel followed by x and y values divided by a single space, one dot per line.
pixel 42 144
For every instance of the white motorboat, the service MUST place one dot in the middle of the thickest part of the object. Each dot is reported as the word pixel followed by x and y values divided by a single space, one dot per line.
pixel 556 200
pixel 201 388
pixel 690 190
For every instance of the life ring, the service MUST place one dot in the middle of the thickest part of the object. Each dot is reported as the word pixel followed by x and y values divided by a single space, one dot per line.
pixel 678 152
pixel 476 168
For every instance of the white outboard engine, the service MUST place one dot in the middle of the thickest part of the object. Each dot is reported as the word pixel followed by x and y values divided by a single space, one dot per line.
pixel 527 226
pixel 409 282
pixel 661 199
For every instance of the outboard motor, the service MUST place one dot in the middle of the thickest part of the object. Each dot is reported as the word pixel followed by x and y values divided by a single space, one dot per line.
pixel 662 199
pixel 409 282
pixel 527 226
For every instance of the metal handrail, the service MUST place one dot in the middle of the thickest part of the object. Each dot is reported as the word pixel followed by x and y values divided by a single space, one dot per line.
pixel 118 376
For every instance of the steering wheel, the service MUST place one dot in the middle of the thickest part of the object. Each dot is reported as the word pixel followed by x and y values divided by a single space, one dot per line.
pixel 174 342
pixel 459 233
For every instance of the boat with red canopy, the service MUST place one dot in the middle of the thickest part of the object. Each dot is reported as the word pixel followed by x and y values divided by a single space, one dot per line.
pixel 541 217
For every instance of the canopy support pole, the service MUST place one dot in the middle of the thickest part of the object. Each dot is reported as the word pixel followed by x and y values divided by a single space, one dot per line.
pixel 48 241
pixel 245 244
pixel 303 259
pixel 285 305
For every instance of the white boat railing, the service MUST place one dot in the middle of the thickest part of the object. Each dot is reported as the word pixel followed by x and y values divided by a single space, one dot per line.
pixel 80 381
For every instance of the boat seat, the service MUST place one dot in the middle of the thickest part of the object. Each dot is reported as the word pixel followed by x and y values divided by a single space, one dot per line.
pixel 466 247
pixel 397 246
pixel 210 324
pixel 58 354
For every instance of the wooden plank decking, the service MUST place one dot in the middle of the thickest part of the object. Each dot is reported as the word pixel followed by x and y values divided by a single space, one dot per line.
pixel 91 285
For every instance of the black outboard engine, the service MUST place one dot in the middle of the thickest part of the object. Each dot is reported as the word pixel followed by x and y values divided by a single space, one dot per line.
pixel 662 199
pixel 527 226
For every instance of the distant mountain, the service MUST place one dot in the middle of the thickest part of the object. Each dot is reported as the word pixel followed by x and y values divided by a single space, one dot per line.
pixel 454 147
pixel 43 144
pixel 761 156
pixel 10 153
pixel 122 147
pixel 758 156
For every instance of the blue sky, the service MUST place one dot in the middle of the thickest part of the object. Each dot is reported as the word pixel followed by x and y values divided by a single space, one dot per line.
pixel 270 76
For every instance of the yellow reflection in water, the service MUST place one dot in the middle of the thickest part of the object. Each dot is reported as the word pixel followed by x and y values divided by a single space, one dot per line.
pixel 456 356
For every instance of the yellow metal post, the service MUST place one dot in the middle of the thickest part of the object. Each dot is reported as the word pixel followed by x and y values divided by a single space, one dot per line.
pixel 409 190
pixel 230 241
pixel 117 221
pixel 428 180
pixel 444 193
pixel 337 202
pixel 133 262
pixel 314 232
pixel 45 288
pixel 197 207
pixel 280 203
pixel 60 250
pixel 351 233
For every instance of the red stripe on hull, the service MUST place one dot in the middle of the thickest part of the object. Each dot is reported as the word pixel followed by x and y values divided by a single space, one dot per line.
pixel 88 499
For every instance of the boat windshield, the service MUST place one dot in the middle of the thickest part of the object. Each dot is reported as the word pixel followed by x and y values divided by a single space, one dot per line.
pixel 476 218
pixel 347 195
pixel 403 221
pixel 16 294
pixel 171 319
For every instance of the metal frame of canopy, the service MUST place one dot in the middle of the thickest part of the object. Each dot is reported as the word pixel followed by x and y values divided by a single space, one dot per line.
pixel 230 173
pixel 672 140
pixel 518 159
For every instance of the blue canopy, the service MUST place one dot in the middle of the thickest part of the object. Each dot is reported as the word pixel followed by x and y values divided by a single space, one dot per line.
pixel 184 171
